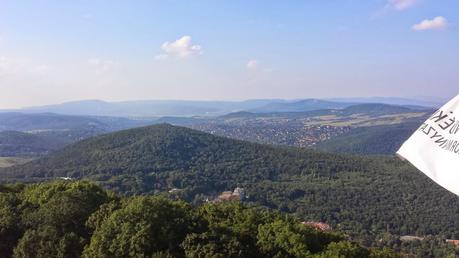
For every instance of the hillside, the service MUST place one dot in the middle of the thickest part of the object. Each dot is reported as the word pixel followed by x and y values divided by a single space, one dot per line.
pixel 373 140
pixel 370 110
pixel 157 149
pixel 51 122
pixel 45 121
pixel 300 106
pixel 413 102
pixel 14 144
pixel 307 129
pixel 12 161
pixel 375 109
pixel 28 135
pixel 363 197
pixel 299 129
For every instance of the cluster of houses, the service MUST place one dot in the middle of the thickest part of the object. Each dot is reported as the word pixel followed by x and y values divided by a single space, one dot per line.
pixel 416 238
pixel 318 225
pixel 453 241
pixel 236 195
pixel 65 178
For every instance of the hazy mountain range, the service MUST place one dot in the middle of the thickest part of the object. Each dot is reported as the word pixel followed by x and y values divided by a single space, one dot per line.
pixel 160 108
pixel 34 134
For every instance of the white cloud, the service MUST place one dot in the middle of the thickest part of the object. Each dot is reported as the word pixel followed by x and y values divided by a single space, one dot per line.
pixel 402 4
pixel 252 64
pixel 181 48
pixel 437 23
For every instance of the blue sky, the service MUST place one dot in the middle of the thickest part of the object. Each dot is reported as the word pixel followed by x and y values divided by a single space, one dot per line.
pixel 55 51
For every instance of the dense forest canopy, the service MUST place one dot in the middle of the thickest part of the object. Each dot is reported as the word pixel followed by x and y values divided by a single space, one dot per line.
pixel 21 144
pixel 372 140
pixel 80 219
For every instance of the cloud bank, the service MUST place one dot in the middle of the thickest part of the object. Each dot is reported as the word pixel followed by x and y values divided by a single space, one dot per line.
pixel 181 48
pixel 437 23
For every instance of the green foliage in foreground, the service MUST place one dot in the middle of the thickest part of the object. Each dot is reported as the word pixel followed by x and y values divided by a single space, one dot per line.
pixel 80 219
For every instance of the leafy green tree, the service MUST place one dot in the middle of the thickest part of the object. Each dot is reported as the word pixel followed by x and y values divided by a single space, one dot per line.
pixel 10 223
pixel 104 212
pixel 55 215
pixel 215 245
pixel 236 223
pixel 280 239
pixel 162 254
pixel 344 249
pixel 46 242
pixel 145 225
pixel 383 253
pixel 75 219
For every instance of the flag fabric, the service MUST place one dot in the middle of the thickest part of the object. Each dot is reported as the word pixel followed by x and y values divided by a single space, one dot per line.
pixel 434 147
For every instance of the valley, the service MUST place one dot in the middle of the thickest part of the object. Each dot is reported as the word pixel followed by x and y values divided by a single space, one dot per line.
pixel 277 158
pixel 12 161
pixel 229 129
pixel 363 197
pixel 36 134
pixel 306 129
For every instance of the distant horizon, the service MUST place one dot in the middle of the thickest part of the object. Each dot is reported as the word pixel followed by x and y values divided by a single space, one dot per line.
pixel 432 99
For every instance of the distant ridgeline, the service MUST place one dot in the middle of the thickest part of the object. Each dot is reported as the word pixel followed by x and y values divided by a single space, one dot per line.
pixel 31 135
pixel 363 197
pixel 36 134
pixel 367 129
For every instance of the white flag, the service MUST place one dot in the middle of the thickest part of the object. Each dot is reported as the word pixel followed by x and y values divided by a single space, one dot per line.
pixel 434 147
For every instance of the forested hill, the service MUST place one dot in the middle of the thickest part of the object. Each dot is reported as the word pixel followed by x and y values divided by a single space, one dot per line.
pixel 371 140
pixel 50 122
pixel 45 121
pixel 364 197
pixel 164 148
pixel 13 144
pixel 349 111
pixel 28 135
